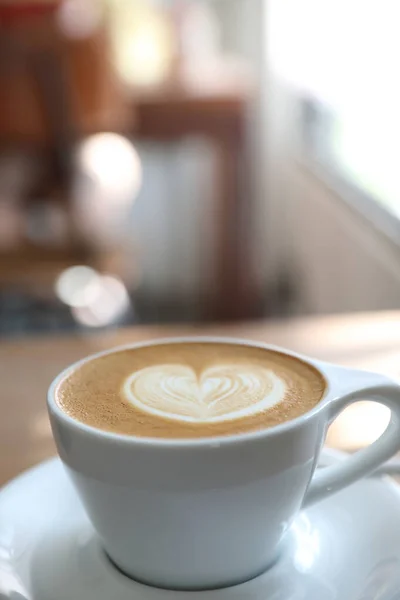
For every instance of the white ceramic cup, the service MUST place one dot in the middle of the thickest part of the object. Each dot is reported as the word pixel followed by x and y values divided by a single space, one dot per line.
pixel 212 512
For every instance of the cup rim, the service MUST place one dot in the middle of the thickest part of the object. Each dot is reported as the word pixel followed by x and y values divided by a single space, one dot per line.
pixel 209 441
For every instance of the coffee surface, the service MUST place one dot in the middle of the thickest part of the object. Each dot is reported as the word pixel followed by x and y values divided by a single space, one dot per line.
pixel 189 390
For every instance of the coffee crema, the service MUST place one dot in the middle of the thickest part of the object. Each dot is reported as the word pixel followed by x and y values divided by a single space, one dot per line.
pixel 189 390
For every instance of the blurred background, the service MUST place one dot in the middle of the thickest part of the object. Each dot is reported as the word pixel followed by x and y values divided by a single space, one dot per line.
pixel 196 160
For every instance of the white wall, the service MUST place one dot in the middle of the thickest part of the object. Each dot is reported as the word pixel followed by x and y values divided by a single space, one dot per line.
pixel 343 263
pixel 171 219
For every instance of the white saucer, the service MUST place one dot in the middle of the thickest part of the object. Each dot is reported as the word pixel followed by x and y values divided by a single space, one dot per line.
pixel 345 548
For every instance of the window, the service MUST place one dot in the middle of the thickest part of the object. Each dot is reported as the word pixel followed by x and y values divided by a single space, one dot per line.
pixel 342 57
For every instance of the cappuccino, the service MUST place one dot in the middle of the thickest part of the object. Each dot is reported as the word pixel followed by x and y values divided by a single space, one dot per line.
pixel 189 389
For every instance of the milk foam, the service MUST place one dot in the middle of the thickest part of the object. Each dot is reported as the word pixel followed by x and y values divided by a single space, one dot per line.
pixel 219 393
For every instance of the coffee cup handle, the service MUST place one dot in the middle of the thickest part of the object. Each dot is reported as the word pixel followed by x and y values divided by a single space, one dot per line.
pixel 360 386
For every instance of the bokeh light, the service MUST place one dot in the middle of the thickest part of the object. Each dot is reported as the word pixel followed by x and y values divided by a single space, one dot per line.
pixel 78 286
pixel 110 305
pixel 95 300
pixel 79 18
pixel 112 161
pixel 143 41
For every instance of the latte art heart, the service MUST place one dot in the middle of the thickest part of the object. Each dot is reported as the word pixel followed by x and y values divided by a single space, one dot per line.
pixel 219 393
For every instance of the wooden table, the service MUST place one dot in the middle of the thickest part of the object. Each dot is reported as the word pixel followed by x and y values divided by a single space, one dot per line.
pixel 28 365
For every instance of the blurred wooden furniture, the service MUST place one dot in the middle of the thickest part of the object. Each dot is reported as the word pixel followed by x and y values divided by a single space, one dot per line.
pixel 28 365
pixel 217 111
pixel 38 113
